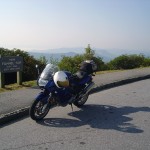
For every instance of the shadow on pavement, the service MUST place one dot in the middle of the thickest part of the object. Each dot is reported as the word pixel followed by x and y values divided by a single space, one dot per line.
pixel 99 117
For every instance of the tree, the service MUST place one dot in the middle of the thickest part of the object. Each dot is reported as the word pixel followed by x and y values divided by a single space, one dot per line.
pixel 100 63
pixel 127 62
pixel 146 62
pixel 89 53
pixel 43 60
pixel 54 61
pixel 67 64
pixel 72 63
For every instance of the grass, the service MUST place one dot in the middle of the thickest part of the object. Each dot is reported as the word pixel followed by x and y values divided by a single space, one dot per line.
pixel 107 71
pixel 15 86
pixel 33 83
pixel 111 71
pixel 26 84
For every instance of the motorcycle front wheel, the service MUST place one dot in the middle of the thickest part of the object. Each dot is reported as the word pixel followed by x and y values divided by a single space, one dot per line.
pixel 81 101
pixel 39 109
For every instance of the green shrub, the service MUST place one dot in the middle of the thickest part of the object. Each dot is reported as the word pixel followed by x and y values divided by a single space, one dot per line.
pixel 126 62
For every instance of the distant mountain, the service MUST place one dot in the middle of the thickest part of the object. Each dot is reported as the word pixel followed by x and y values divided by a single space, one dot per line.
pixel 53 55
pixel 60 50
pixel 106 55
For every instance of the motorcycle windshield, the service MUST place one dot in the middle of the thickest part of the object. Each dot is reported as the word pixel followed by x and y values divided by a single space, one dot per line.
pixel 47 74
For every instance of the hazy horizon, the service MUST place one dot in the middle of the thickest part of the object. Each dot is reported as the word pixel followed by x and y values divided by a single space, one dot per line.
pixel 82 50
pixel 106 55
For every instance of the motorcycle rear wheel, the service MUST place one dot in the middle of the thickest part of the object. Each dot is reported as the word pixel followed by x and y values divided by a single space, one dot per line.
pixel 80 102
pixel 39 110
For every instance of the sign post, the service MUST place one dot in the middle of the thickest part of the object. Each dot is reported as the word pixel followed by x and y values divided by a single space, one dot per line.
pixel 1 80
pixel 11 64
pixel 1 76
pixel 19 77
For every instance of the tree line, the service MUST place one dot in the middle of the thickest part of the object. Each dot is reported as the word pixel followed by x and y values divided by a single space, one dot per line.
pixel 119 63
pixel 71 63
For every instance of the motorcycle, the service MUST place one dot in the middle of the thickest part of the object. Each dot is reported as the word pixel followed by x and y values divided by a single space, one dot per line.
pixel 52 96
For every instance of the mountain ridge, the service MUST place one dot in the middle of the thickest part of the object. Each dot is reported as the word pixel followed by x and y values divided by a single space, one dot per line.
pixel 106 55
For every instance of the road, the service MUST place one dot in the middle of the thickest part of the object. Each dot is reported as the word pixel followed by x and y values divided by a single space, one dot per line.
pixel 113 119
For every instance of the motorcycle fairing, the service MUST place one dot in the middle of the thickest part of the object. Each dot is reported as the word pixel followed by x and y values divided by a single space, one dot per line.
pixel 85 80
pixel 42 96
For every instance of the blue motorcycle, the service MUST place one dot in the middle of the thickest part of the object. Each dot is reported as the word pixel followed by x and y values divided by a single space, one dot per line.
pixel 51 96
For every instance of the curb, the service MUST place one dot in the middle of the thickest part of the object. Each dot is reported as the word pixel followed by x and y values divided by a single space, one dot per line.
pixel 118 83
pixel 18 114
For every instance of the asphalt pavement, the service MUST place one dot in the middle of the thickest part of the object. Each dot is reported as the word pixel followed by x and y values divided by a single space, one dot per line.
pixel 16 104
pixel 113 119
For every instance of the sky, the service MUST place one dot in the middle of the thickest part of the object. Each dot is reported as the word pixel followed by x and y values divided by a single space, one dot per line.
pixel 51 24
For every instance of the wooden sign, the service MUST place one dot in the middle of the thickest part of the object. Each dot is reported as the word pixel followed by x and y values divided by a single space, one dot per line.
pixel 11 64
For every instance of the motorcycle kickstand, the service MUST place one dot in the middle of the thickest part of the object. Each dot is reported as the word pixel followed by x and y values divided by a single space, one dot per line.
pixel 71 107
